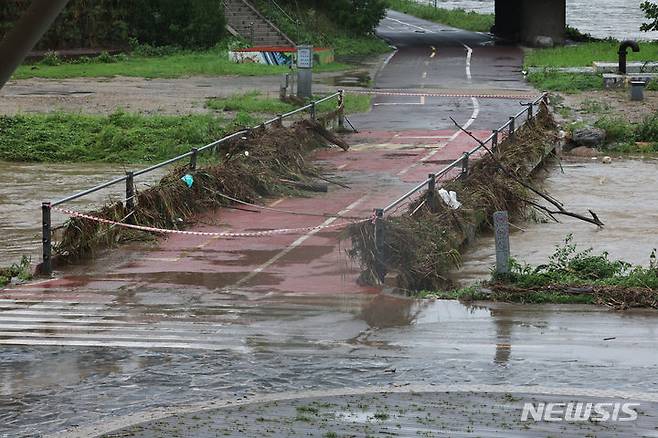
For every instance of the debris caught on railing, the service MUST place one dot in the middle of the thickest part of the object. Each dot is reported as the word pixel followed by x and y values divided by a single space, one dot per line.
pixel 450 198
pixel 188 179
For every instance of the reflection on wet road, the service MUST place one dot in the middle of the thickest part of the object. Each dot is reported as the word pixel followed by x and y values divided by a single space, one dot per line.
pixel 292 342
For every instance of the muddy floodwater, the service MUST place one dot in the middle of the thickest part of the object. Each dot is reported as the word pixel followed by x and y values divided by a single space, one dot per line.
pixel 24 186
pixel 624 196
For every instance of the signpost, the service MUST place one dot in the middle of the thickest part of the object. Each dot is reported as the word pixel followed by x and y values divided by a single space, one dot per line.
pixel 501 231
pixel 304 71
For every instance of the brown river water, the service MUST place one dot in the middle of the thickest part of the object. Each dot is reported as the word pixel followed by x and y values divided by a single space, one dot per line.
pixel 624 196
pixel 23 186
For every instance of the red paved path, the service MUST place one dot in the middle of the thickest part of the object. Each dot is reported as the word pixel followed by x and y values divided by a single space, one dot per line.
pixel 379 168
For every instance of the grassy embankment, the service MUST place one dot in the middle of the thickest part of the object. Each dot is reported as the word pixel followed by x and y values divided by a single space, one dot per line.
pixel 133 138
pixel 579 55
pixel 458 18
pixel 569 276
pixel 170 63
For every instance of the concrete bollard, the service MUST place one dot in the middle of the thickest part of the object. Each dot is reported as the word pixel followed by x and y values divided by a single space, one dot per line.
pixel 637 91
pixel 501 232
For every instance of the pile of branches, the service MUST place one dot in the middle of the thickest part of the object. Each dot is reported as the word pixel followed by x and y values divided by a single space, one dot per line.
pixel 263 163
pixel 421 245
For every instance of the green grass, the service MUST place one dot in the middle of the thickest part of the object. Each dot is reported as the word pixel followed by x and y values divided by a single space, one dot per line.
pixel 459 18
pixel 213 62
pixel 121 137
pixel 584 54
pixel 566 267
pixel 255 102
pixel 569 83
pixel 252 102
pixel 134 138
pixel 20 270
pixel 628 137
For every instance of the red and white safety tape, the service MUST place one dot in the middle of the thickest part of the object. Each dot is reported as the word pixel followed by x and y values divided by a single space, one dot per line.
pixel 204 233
pixel 431 94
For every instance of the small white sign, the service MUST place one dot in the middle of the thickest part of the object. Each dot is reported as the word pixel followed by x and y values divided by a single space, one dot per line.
pixel 305 57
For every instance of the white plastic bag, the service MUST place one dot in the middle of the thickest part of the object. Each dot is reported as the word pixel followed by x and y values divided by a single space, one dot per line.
pixel 450 198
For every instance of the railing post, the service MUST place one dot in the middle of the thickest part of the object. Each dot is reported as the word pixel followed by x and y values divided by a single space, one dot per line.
pixel 494 140
pixel 193 158
pixel 283 90
pixel 465 159
pixel 431 189
pixel 313 111
pixel 341 110
pixel 380 269
pixel 47 266
pixel 531 108
pixel 512 129
pixel 130 191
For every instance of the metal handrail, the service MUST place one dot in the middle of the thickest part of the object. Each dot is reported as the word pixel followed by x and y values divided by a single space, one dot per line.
pixel 128 178
pixel 466 155
pixel 192 152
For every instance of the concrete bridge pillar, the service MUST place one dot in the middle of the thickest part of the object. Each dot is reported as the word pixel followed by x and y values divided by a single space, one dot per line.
pixel 527 20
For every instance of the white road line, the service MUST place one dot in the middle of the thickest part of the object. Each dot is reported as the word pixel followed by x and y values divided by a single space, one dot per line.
pixel 295 244
pixel 409 24
pixel 469 55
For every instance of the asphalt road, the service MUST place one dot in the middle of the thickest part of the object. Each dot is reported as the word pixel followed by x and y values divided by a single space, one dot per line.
pixel 436 59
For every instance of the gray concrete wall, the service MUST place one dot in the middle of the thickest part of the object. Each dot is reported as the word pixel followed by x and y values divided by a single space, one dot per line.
pixel 525 20
pixel 543 18
pixel 508 19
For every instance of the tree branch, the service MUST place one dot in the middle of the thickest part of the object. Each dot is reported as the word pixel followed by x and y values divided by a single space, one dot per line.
pixel 560 210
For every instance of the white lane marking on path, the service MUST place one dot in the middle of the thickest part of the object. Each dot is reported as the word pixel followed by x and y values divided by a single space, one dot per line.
pixel 469 56
pixel 409 24
pixel 294 245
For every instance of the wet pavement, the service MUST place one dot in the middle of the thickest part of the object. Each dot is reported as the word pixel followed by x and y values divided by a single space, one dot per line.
pixel 412 411
pixel 197 319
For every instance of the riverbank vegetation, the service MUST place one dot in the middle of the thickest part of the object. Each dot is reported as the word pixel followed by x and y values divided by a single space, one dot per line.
pixel 544 64
pixel 120 137
pixel 570 276
pixel 124 137
pixel 153 62
pixel 585 54
pixel 458 18
pixel 17 272
pixel 255 102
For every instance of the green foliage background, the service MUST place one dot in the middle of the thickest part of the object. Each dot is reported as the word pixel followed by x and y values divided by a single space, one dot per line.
pixel 112 23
